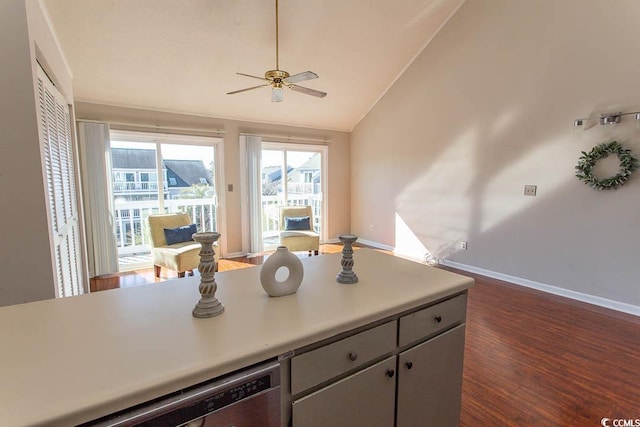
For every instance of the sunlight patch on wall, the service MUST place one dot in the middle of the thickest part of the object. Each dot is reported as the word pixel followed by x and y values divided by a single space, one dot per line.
pixel 436 206
pixel 502 122
pixel 407 244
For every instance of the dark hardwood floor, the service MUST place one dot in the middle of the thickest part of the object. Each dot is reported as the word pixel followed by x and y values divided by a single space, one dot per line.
pixel 535 359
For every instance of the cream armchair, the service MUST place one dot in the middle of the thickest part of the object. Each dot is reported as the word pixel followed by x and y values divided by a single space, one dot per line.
pixel 296 229
pixel 182 256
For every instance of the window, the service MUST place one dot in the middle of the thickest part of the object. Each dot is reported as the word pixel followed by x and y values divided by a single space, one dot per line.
pixel 308 177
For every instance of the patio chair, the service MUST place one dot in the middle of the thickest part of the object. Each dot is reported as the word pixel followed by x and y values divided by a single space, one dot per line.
pixel 296 229
pixel 180 253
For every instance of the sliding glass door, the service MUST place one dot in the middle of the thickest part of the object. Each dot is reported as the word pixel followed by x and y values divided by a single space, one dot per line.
pixel 160 174
pixel 291 175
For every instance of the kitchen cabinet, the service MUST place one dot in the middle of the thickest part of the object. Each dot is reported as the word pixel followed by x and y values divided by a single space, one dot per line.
pixel 365 398
pixel 430 381
pixel 397 305
pixel 405 372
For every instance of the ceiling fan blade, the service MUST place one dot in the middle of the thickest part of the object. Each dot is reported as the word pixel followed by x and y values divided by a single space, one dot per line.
pixel 254 77
pixel 300 77
pixel 249 88
pixel 308 91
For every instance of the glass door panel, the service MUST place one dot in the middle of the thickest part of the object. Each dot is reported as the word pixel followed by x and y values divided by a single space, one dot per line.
pixel 135 197
pixel 273 196
pixel 290 177
pixel 191 187
pixel 304 182
pixel 159 176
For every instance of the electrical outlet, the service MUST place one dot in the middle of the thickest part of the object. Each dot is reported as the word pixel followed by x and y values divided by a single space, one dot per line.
pixel 463 245
pixel 370 227
pixel 530 190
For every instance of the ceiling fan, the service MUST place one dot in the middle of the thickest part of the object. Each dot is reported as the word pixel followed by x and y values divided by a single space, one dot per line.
pixel 278 78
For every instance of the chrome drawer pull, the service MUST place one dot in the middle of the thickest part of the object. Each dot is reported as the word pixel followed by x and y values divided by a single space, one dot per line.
pixel 390 373
pixel 353 356
pixel 409 365
pixel 438 319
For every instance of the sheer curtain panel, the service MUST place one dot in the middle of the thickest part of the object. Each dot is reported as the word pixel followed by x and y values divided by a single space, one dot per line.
pixel 252 188
pixel 101 239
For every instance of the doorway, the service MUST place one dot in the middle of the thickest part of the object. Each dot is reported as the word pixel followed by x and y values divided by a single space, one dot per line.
pixel 290 175
pixel 153 173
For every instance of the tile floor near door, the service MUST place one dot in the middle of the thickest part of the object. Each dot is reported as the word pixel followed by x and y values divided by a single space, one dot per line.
pixel 536 359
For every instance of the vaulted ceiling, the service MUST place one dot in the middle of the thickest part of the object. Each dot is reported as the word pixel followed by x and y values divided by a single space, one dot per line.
pixel 183 55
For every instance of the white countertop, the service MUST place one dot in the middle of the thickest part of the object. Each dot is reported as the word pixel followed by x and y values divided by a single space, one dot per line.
pixel 67 361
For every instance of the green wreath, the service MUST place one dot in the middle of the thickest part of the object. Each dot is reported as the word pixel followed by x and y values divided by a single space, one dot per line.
pixel 584 170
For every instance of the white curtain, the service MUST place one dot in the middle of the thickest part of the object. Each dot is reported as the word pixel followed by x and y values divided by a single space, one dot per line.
pixel 252 146
pixel 95 149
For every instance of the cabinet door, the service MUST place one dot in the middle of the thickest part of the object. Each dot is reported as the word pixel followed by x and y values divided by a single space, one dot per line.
pixel 366 398
pixel 430 381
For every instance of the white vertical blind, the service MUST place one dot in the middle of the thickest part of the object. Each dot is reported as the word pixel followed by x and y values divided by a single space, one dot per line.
pixel 252 188
pixel 95 149
pixel 59 165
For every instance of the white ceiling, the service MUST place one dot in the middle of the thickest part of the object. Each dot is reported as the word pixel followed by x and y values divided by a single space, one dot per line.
pixel 182 55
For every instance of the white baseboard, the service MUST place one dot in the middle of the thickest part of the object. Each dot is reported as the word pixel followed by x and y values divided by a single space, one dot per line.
pixel 567 293
pixel 375 245
pixel 235 255
pixel 579 296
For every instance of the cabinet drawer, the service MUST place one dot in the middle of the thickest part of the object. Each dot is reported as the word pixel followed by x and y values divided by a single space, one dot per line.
pixel 433 319
pixel 324 363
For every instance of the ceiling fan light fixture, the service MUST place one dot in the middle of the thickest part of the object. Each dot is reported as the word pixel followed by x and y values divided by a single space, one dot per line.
pixel 277 78
pixel 276 94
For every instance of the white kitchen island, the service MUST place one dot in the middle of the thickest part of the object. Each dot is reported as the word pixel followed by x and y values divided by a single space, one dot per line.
pixel 69 361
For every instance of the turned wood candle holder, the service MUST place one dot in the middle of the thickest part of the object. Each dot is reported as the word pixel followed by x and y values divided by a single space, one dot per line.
pixel 347 274
pixel 208 306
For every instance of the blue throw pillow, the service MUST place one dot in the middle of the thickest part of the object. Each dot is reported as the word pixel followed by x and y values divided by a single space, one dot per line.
pixel 292 223
pixel 180 234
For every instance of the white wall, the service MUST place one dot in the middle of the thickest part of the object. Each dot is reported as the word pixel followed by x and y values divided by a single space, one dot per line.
pixel 338 143
pixel 489 107
pixel 26 272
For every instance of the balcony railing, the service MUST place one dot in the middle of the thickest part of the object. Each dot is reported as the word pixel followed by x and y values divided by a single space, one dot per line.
pixel 271 211
pixel 129 187
pixel 307 188
pixel 132 228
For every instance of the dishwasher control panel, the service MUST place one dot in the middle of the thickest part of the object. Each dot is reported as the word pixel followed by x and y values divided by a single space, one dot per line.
pixel 237 393
pixel 252 390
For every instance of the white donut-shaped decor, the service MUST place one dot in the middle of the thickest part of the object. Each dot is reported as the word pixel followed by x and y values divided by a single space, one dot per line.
pixel 281 258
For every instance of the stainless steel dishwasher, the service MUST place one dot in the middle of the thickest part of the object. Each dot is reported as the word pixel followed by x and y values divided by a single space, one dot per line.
pixel 247 398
